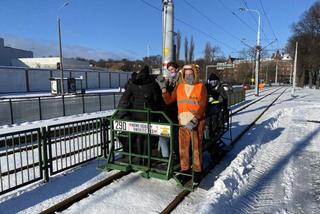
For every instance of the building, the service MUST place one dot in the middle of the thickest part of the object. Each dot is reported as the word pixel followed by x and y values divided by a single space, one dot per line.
pixel 50 63
pixel 8 53
pixel 243 71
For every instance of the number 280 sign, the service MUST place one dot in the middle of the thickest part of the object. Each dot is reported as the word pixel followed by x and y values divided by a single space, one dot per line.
pixel 155 129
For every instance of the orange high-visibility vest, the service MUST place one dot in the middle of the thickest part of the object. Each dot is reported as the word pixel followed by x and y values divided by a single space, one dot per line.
pixel 191 103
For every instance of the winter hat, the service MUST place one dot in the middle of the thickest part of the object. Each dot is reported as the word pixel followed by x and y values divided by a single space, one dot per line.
pixel 213 80
pixel 213 76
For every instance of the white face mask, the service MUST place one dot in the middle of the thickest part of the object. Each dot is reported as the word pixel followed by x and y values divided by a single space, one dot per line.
pixel 172 75
pixel 189 79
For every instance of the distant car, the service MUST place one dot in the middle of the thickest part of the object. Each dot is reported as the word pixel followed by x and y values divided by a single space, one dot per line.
pixel 246 86
pixel 286 81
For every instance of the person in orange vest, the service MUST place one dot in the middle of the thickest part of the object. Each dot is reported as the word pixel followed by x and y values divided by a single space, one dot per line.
pixel 261 85
pixel 191 96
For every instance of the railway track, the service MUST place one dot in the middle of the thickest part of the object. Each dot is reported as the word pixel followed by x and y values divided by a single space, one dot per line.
pixel 83 194
pixel 253 102
pixel 178 199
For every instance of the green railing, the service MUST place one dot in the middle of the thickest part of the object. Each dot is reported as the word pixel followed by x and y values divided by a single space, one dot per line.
pixel 236 97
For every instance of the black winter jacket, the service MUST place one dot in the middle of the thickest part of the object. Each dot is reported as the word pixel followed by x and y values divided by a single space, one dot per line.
pixel 142 92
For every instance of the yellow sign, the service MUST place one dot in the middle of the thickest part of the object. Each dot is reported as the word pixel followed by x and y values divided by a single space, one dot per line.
pixel 165 51
pixel 165 131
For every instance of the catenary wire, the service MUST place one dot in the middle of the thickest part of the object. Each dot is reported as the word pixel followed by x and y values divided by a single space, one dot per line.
pixel 191 26
pixel 210 20
pixel 264 12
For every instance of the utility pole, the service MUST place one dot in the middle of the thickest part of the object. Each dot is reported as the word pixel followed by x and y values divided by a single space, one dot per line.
pixel 276 77
pixel 277 57
pixel 295 69
pixel 60 49
pixel 61 58
pixel 258 49
pixel 291 70
pixel 167 34
pixel 267 74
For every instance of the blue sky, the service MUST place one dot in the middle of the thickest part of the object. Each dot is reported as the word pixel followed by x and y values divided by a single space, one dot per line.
pixel 123 28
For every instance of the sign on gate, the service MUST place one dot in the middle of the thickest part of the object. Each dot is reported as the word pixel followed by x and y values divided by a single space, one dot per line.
pixel 137 127
pixel 224 65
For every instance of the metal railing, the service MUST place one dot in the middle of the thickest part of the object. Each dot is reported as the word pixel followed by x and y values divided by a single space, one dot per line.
pixel 20 159
pixel 71 144
pixel 19 110
pixel 236 97
pixel 36 154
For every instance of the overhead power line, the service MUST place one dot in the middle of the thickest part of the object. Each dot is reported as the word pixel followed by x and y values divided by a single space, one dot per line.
pixel 268 22
pixel 150 5
pixel 236 15
pixel 210 20
pixel 254 19
pixel 191 26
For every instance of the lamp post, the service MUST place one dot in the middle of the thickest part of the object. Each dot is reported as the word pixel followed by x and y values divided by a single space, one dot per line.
pixel 258 49
pixel 60 49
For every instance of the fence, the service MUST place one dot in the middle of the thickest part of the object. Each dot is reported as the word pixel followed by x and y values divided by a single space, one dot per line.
pixel 236 96
pixel 19 110
pixel 20 159
pixel 17 79
pixel 36 154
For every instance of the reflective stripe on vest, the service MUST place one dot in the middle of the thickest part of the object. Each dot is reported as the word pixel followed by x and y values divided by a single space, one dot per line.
pixel 215 102
pixel 190 103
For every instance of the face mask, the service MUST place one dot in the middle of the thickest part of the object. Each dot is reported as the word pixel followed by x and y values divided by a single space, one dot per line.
pixel 172 75
pixel 189 79
pixel 213 83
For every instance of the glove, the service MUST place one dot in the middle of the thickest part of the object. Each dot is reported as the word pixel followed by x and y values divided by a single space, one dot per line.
pixel 162 82
pixel 192 124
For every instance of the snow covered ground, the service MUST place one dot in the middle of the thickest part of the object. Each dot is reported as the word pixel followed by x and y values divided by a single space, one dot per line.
pixel 275 168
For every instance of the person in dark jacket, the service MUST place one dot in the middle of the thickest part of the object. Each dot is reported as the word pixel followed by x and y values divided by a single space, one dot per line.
pixel 218 101
pixel 141 93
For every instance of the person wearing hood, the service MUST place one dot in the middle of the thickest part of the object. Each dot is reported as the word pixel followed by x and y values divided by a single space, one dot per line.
pixel 217 95
pixel 191 97
pixel 142 92
pixel 218 101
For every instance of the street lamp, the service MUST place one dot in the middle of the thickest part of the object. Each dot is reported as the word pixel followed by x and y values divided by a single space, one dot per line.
pixel 60 49
pixel 258 49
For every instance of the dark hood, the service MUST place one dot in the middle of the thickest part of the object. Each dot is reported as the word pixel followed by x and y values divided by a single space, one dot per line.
pixel 143 77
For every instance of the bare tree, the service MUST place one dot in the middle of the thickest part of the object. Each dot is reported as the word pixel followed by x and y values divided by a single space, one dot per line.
pixel 191 50
pixel 178 45
pixel 307 33
pixel 210 53
pixel 186 50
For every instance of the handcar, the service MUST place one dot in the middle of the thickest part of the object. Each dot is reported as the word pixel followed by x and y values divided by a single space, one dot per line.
pixel 126 155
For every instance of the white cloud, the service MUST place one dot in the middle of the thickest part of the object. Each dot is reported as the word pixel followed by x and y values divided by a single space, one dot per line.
pixel 50 48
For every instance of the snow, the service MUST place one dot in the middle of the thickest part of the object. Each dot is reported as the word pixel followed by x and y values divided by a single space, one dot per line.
pixel 274 168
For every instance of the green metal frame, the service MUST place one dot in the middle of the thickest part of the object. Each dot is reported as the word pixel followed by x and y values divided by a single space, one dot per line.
pixel 114 161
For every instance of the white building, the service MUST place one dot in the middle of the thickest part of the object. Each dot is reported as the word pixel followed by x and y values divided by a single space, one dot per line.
pixel 49 63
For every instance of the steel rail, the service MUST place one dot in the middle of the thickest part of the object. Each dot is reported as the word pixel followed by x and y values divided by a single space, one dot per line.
pixel 181 196
pixel 63 205
pixel 253 102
